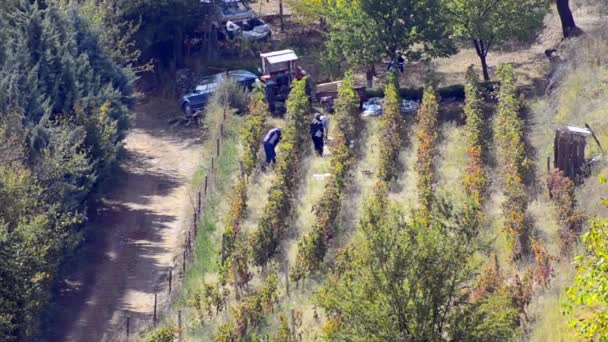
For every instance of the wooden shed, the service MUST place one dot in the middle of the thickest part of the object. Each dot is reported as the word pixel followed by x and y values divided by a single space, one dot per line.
pixel 569 149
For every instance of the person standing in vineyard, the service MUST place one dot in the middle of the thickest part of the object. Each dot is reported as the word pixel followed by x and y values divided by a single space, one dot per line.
pixel 271 140
pixel 316 133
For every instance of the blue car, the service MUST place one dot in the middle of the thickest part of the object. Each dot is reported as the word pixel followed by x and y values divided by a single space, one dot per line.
pixel 197 100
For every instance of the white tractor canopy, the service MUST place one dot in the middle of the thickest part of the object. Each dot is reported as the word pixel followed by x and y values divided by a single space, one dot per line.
pixel 279 61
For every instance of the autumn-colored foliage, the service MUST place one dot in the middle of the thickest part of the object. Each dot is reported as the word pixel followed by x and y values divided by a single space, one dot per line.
pixel 561 190
pixel 427 140
pixel 391 134
pixel 543 272
pixel 248 314
pixel 475 181
pixel 512 158
pixel 253 130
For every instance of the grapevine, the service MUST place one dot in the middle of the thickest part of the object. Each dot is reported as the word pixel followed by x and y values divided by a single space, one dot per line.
pixel 313 246
pixel 508 130
pixel 427 141
pixel 273 225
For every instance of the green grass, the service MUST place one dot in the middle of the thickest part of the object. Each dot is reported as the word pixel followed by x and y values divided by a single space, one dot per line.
pixel 207 245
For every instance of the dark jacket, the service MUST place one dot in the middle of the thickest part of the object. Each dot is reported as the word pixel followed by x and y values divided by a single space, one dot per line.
pixel 315 127
pixel 273 137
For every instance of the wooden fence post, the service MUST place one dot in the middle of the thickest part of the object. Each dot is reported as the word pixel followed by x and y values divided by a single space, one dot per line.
pixel 206 182
pixel 189 242
pixel 184 263
pixel 287 278
pixel 179 325
pixel 223 248
pixel 237 294
pixel 225 108
pixel 154 319
pixel 242 167
pixel 128 326
pixel 212 164
pixel 170 276
pixel 293 324
pixel 217 142
pixel 199 203
pixel 222 129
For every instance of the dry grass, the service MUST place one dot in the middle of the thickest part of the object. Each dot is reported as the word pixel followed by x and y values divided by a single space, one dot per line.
pixel 451 162
pixel 407 184
pixel 551 324
pixel 580 97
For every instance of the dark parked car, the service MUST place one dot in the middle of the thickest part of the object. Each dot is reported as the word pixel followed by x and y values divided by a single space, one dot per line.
pixel 196 101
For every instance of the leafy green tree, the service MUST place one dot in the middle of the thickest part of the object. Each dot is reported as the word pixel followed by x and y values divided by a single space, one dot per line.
pixel 364 31
pixel 588 294
pixel 398 280
pixel 489 23
pixel 163 26
pixel 64 110
pixel 117 35
pixel 33 234
pixel 493 318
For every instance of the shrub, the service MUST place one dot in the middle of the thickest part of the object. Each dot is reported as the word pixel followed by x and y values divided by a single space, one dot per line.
pixel 561 191
pixel 230 93
pixel 162 334
pixel 284 333
pixel 249 313
pixel 226 333
pixel 543 271
pixel 588 293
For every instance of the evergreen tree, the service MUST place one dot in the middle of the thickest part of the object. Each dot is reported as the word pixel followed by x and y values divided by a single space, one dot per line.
pixel 64 111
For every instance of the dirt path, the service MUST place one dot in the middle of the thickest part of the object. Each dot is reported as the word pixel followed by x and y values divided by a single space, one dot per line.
pixel 135 233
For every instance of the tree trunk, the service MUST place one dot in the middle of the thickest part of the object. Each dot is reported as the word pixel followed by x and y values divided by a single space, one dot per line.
pixel 482 52
pixel 569 27
pixel 484 67
pixel 178 49
pixel 281 15
pixel 370 76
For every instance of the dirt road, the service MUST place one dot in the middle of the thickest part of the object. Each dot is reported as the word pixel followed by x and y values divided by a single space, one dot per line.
pixel 136 233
